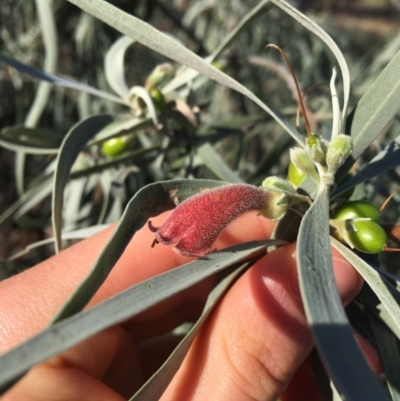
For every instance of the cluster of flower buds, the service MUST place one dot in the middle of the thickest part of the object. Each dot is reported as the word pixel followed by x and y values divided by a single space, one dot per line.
pixel 320 158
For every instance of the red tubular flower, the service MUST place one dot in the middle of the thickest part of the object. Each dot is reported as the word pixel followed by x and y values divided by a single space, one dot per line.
pixel 196 223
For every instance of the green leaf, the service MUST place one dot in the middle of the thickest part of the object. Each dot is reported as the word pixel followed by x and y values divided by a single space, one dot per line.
pixel 79 234
pixel 388 347
pixel 29 198
pixel 382 288
pixel 30 140
pixel 125 124
pixel 69 332
pixel 334 339
pixel 376 108
pixel 163 44
pixel 114 65
pixel 384 161
pixel 57 80
pixel 216 164
pixel 73 144
pixel 244 22
pixel 47 24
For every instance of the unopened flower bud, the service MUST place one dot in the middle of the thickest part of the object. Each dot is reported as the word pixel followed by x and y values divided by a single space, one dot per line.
pixel 300 158
pixel 317 148
pixel 279 183
pixel 339 150
pixel 159 75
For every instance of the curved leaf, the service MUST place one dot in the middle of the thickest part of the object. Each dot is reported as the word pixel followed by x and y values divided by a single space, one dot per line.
pixel 333 335
pixel 114 66
pixel 69 332
pixel 73 144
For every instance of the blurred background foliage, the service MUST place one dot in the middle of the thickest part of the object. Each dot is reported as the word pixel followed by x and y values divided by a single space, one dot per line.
pixel 249 141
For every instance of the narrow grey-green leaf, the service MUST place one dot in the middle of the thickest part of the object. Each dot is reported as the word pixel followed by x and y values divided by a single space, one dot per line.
pixel 385 160
pixel 49 34
pixel 388 347
pixel 30 140
pixel 318 31
pixel 123 125
pixel 73 144
pixel 382 288
pixel 29 198
pixel 216 164
pixel 244 22
pixel 148 202
pixel 376 108
pixel 69 332
pixel 114 65
pixel 154 388
pixel 135 156
pixel 57 80
pixel 332 333
pixel 81 233
pixel 163 44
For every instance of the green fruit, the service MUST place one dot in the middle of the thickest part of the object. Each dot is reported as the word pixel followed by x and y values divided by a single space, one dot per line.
pixel 295 175
pixel 357 209
pixel 158 100
pixel 115 146
pixel 370 237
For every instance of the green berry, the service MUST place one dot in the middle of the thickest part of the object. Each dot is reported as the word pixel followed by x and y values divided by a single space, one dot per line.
pixel 295 175
pixel 370 237
pixel 115 146
pixel 357 209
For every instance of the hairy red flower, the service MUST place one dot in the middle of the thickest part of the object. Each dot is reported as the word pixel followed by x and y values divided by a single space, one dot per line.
pixel 196 223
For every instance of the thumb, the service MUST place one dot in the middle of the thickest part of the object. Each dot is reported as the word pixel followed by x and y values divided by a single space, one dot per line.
pixel 258 335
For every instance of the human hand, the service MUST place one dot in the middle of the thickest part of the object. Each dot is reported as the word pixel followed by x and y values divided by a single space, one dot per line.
pixel 249 348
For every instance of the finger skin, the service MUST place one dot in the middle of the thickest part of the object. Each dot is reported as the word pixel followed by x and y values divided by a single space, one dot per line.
pixel 258 336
